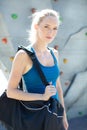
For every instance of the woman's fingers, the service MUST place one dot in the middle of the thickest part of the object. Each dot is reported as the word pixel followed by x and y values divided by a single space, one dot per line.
pixel 49 91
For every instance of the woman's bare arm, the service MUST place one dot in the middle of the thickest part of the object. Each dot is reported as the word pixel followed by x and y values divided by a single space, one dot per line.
pixel 19 67
pixel 60 93
pixel 21 64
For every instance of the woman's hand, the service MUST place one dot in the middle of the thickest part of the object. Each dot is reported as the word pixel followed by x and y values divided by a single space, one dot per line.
pixel 49 91
pixel 65 122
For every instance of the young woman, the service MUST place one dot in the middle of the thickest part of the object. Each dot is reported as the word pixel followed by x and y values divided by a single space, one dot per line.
pixel 44 28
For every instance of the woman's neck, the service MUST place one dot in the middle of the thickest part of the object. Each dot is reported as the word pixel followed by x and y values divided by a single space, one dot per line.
pixel 40 47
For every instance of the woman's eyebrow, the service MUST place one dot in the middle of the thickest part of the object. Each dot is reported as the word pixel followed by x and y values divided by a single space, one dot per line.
pixel 47 24
pixel 50 25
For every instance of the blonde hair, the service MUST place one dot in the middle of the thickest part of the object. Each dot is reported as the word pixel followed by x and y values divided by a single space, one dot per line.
pixel 37 18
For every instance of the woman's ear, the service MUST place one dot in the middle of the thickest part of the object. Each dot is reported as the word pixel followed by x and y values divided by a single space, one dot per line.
pixel 36 26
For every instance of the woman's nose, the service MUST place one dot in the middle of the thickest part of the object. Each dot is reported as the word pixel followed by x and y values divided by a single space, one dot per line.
pixel 50 31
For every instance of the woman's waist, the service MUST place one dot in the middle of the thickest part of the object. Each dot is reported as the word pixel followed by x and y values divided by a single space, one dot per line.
pixel 40 90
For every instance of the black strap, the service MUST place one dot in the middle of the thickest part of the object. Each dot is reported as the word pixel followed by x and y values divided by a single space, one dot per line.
pixel 36 64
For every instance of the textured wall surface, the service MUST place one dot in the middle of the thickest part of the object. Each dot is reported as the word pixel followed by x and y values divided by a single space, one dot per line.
pixel 15 20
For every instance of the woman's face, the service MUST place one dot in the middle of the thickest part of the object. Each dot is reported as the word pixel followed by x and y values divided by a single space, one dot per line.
pixel 47 29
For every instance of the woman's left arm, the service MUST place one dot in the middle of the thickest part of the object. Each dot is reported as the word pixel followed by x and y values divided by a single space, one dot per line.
pixel 60 93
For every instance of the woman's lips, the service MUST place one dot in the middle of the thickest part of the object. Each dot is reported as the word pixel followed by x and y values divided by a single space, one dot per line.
pixel 49 37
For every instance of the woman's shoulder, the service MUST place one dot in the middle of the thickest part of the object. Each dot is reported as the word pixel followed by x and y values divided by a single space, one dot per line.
pixel 22 53
pixel 21 56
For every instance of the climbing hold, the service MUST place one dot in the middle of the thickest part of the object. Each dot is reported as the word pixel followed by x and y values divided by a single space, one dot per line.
pixel 61 20
pixel 67 83
pixel 56 47
pixel 55 0
pixel 65 60
pixel 14 16
pixel 4 40
pixel 12 58
pixel 33 10
pixel 80 113
pixel 86 33
pixel 61 72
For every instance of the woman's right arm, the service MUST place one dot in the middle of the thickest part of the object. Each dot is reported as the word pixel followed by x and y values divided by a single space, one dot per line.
pixel 19 67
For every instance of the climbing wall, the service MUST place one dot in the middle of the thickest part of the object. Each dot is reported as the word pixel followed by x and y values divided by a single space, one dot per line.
pixel 15 21
pixel 6 48
pixel 73 60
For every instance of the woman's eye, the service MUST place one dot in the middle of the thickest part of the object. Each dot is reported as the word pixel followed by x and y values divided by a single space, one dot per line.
pixel 55 28
pixel 46 26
